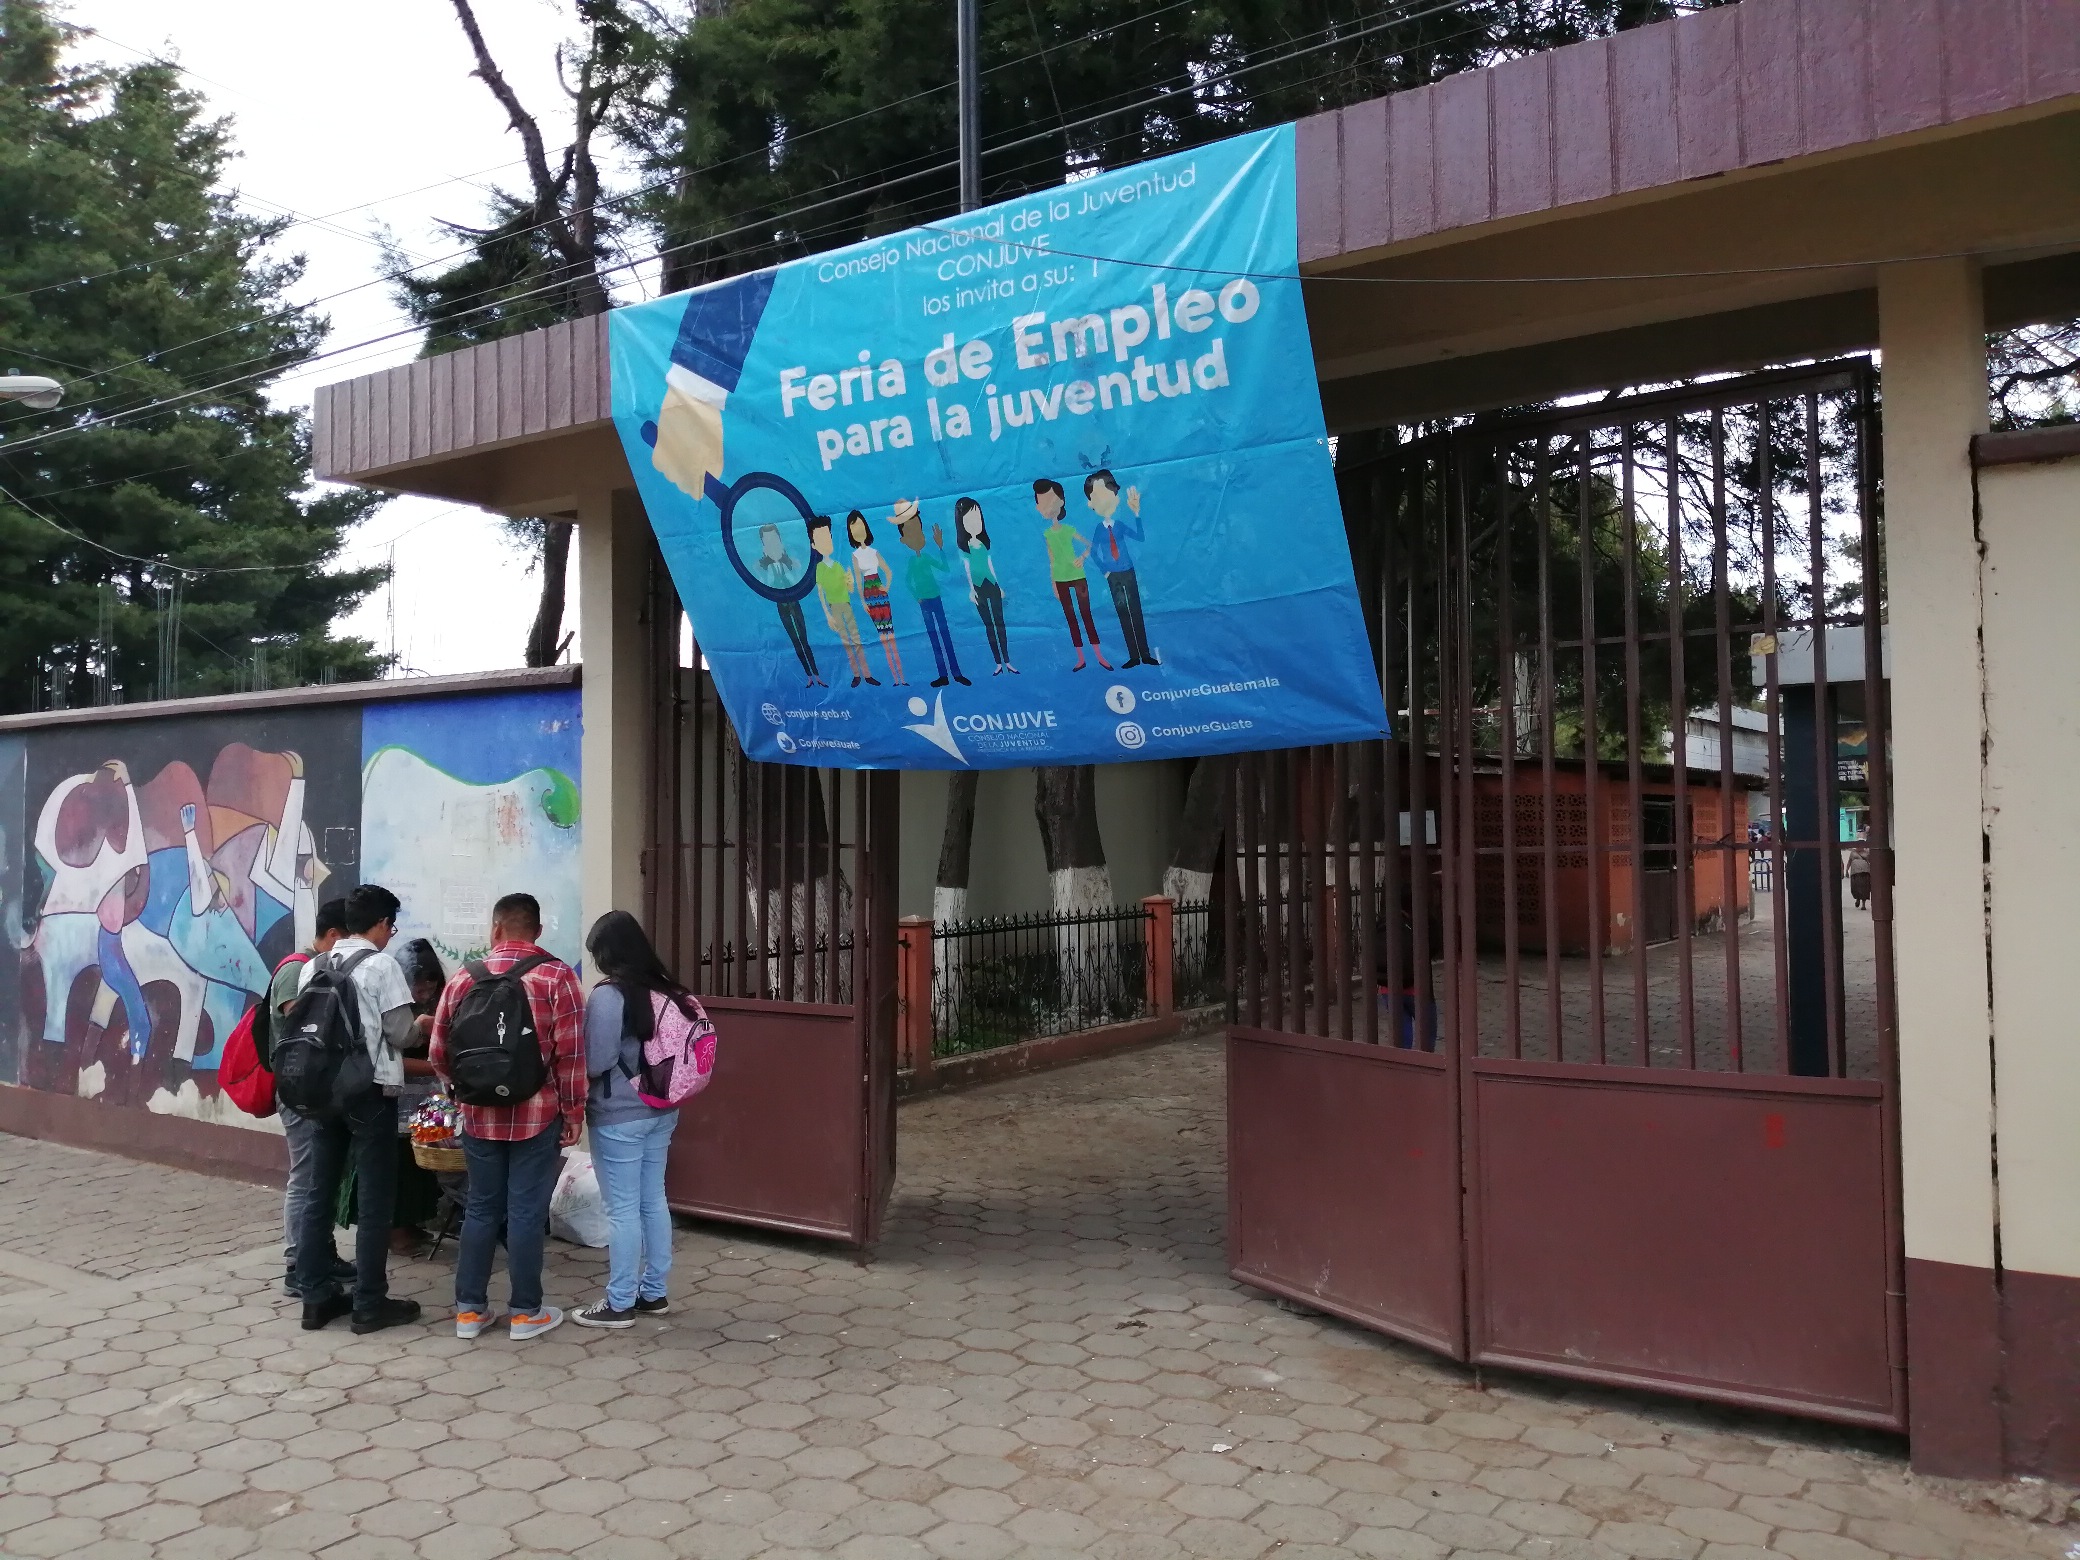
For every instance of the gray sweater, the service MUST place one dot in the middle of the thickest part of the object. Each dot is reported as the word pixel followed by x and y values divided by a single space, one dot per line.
pixel 612 1098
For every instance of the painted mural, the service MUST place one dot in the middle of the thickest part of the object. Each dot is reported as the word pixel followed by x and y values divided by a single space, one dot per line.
pixel 153 871
pixel 168 866
pixel 466 799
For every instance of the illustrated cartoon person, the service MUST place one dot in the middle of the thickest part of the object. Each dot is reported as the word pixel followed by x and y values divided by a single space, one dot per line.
pixel 871 571
pixel 715 335
pixel 924 575
pixel 834 590
pixel 1109 550
pixel 779 567
pixel 1065 565
pixel 984 588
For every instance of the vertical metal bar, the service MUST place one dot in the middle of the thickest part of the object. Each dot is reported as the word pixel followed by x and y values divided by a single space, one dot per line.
pixel 1291 807
pixel 1232 918
pixel 1772 626
pixel 1635 789
pixel 864 894
pixel 740 980
pixel 1722 620
pixel 834 824
pixel 1423 1012
pixel 1679 718
pixel 1368 754
pixel 792 853
pixel 1394 678
pixel 1506 804
pixel 1592 775
pixel 1462 970
pixel 1250 946
pixel 697 899
pixel 1876 726
pixel 1346 966
pixel 762 897
pixel 1548 795
pixel 685 947
pixel 1824 746
pixel 1327 934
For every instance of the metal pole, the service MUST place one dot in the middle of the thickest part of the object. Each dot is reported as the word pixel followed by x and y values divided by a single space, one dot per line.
pixel 969 27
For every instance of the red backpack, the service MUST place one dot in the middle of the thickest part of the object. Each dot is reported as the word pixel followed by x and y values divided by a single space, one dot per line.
pixel 250 1085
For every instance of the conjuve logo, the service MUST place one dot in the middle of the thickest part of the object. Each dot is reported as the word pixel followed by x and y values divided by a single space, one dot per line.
pixel 1008 731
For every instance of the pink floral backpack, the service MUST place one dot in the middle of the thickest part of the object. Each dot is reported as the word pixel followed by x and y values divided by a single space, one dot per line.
pixel 679 1056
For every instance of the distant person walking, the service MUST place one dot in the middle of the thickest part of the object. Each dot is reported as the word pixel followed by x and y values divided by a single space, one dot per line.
pixel 299 1131
pixel 508 1039
pixel 362 1126
pixel 631 1136
pixel 1860 873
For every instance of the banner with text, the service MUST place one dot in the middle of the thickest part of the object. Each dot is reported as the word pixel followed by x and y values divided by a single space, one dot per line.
pixel 1046 483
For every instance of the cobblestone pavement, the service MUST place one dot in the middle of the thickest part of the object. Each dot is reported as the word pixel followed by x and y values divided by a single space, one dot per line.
pixel 1044 1359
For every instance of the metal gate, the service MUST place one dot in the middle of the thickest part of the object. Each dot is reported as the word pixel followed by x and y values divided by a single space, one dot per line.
pixel 1526 1064
pixel 770 890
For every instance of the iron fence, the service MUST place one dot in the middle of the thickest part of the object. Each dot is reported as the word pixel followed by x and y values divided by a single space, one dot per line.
pixel 1001 980
pixel 1197 974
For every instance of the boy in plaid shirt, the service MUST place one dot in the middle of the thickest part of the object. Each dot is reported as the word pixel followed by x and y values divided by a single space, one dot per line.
pixel 514 1151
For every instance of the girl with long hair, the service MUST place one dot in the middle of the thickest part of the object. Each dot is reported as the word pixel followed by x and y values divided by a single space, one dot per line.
pixel 630 1138
pixel 871 570
pixel 984 589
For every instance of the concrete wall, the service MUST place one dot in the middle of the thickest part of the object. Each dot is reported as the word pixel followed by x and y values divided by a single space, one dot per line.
pixel 156 865
pixel 1138 810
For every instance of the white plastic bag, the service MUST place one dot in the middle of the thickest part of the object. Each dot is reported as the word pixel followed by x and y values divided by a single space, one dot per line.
pixel 577 1212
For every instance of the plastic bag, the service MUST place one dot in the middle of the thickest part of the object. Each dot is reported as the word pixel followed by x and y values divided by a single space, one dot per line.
pixel 577 1212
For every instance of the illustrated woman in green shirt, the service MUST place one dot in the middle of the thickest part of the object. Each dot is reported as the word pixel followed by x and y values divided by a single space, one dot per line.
pixel 834 590
pixel 984 589
pixel 1065 566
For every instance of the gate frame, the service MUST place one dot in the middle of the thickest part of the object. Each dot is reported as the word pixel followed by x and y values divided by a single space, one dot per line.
pixel 1269 1006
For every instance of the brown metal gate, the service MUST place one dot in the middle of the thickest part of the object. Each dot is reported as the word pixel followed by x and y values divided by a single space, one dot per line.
pixel 770 890
pixel 1522 1066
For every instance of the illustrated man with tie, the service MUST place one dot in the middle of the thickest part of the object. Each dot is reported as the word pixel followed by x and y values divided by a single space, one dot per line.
pixel 1111 552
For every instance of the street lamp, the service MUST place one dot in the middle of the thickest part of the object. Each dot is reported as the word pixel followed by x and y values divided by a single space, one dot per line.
pixel 32 390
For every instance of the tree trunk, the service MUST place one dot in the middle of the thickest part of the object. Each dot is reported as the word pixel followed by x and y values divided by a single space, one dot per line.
pixel 956 848
pixel 794 834
pixel 545 639
pixel 1200 831
pixel 1065 801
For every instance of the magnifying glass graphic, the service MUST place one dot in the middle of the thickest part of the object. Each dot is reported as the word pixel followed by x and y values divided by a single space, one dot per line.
pixel 727 497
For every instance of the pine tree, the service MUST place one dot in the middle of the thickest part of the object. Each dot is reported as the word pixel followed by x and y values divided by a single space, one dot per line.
pixel 127 271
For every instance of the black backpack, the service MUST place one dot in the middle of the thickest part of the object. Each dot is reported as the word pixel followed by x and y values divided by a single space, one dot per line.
pixel 494 1050
pixel 321 1064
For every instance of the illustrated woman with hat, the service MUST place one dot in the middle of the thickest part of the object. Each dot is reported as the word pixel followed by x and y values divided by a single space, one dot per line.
pixel 871 572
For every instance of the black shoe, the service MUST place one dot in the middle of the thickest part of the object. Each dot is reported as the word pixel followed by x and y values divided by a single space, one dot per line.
pixel 391 1313
pixel 289 1285
pixel 875 681
pixel 957 677
pixel 342 1269
pixel 855 682
pixel 938 682
pixel 322 1313
pixel 603 1315
pixel 655 1307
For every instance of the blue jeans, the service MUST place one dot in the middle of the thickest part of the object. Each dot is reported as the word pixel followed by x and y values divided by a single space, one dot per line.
pixel 509 1189
pixel 935 626
pixel 301 1134
pixel 628 1157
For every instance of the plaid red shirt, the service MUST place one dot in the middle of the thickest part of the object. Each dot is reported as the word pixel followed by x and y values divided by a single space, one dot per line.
pixel 559 1017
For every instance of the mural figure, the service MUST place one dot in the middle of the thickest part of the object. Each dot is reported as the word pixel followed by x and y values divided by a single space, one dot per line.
pixel 927 578
pixel 1111 552
pixel 871 573
pixel 175 882
pixel 1065 567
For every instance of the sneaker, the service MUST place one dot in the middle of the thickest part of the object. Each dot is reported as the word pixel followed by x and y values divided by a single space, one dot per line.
pixel 322 1313
pixel 534 1324
pixel 602 1315
pixel 390 1313
pixel 469 1324
pixel 655 1307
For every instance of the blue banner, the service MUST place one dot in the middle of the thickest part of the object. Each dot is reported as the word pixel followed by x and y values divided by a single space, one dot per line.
pixel 1046 483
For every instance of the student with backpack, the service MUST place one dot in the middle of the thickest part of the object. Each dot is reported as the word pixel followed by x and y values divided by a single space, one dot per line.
pixel 301 1131
pixel 336 1060
pixel 648 1046
pixel 508 1039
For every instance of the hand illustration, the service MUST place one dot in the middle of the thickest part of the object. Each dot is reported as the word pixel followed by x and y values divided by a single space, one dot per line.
pixel 938 538
pixel 1134 501
pixel 689 442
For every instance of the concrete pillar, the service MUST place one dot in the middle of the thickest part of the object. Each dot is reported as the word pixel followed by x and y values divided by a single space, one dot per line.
pixel 1161 975
pixel 914 999
pixel 613 558
pixel 1933 332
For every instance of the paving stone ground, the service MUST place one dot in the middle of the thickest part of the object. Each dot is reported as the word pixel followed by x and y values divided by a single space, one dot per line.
pixel 1045 1358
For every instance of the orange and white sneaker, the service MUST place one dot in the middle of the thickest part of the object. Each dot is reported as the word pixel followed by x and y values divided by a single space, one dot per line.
pixel 532 1324
pixel 468 1324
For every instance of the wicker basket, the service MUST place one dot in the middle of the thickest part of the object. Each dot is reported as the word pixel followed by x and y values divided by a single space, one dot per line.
pixel 440 1158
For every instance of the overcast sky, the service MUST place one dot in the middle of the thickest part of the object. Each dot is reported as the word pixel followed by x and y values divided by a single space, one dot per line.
pixel 358 116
